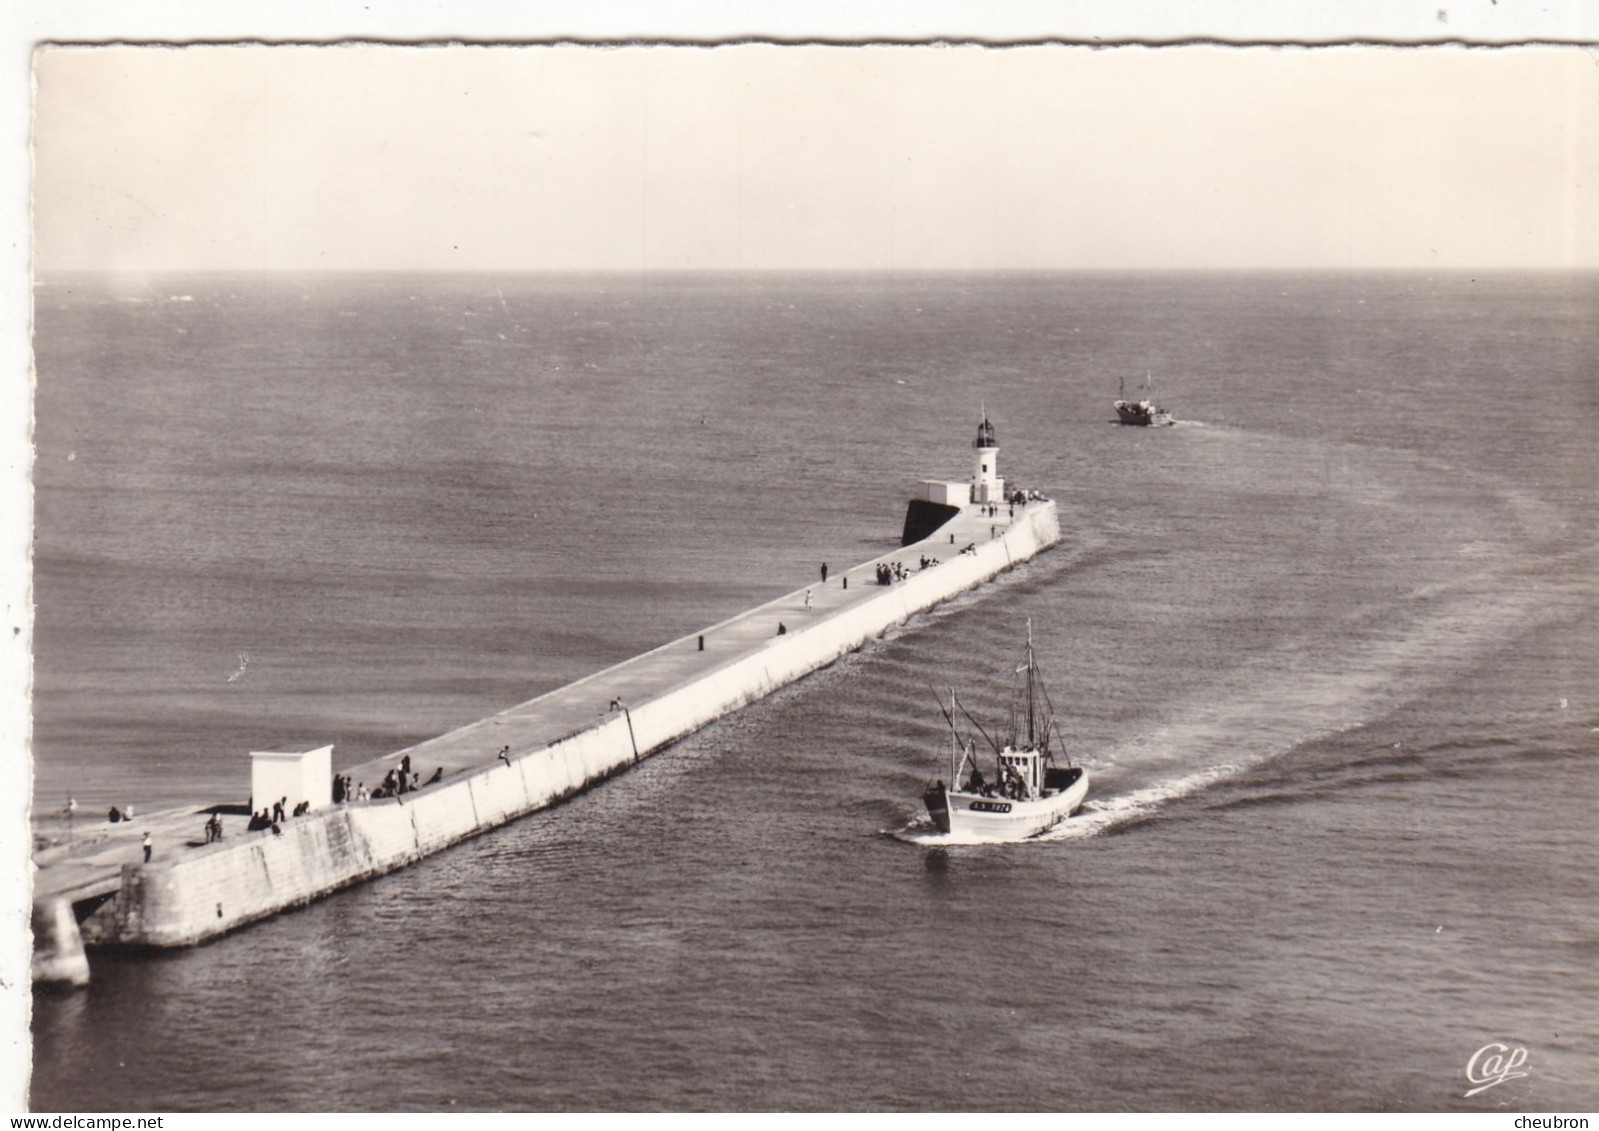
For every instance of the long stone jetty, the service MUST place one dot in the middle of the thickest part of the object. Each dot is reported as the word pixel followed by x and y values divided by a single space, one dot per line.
pixel 99 890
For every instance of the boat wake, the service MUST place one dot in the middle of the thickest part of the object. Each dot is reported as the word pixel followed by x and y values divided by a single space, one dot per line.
pixel 1102 815
pixel 1286 697
pixel 1095 817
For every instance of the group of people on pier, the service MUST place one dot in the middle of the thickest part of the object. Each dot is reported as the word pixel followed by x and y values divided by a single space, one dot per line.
pixel 401 780
pixel 890 572
pixel 398 781
pixel 268 818
pixel 343 791
pixel 275 816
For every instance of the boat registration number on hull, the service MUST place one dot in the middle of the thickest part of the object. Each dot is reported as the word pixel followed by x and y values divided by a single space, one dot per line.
pixel 989 806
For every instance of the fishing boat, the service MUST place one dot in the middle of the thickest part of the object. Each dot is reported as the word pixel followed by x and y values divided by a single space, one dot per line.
pixel 1028 794
pixel 1143 412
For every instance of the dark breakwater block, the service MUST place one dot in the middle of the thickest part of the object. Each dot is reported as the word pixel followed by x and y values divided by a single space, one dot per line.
pixel 922 518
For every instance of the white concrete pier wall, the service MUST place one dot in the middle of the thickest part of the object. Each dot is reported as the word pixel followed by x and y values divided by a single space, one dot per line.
pixel 208 891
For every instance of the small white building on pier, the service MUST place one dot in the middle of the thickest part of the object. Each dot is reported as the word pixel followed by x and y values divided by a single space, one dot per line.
pixel 298 776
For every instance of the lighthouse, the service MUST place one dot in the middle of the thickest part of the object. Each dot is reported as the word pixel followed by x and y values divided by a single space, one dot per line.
pixel 987 486
pixel 940 500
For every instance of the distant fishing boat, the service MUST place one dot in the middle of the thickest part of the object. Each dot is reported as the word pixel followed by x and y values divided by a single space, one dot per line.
pixel 1144 412
pixel 1028 794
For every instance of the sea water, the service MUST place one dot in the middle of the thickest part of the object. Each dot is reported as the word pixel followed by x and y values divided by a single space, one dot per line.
pixel 1327 647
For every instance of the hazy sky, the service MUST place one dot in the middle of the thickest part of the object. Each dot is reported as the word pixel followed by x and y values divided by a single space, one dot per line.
pixel 774 157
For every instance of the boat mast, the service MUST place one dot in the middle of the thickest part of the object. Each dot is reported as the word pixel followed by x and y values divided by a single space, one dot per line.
pixel 955 758
pixel 1031 674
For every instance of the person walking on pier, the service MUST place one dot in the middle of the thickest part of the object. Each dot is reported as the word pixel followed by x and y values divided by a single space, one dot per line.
pixel 824 573
pixel 147 846
pixel 807 598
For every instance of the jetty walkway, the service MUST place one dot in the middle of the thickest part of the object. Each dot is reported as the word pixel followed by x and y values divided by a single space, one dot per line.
pixel 511 763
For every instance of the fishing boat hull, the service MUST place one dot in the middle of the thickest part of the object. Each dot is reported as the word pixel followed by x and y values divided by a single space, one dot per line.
pixel 1143 414
pixel 1002 818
